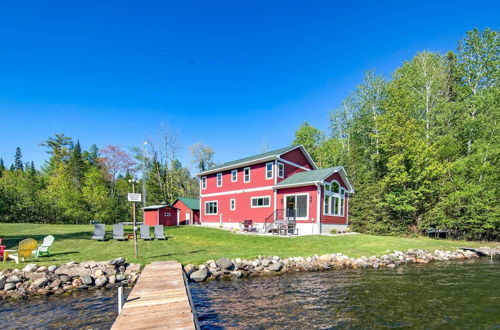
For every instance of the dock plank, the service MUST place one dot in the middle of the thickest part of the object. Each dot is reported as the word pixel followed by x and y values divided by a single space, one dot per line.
pixel 159 300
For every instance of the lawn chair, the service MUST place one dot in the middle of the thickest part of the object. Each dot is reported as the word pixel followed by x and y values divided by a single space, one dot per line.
pixel 145 235
pixel 2 248
pixel 25 250
pixel 159 234
pixel 99 232
pixel 118 232
pixel 44 249
pixel 248 225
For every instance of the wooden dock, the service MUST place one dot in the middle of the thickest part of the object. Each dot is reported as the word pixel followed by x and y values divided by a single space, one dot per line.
pixel 159 299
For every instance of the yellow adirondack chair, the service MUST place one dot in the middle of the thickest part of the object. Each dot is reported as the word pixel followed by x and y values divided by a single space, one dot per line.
pixel 24 250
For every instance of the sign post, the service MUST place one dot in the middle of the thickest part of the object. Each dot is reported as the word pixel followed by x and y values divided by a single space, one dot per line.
pixel 133 197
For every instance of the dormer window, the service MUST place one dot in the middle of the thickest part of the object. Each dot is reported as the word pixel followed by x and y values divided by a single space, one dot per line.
pixel 219 179
pixel 269 170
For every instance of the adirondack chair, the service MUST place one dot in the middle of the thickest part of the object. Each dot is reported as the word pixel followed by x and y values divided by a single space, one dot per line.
pixel 159 234
pixel 145 235
pixel 44 249
pixel 2 248
pixel 118 232
pixel 25 250
pixel 99 232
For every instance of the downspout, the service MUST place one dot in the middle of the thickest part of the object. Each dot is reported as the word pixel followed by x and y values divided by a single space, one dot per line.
pixel 318 206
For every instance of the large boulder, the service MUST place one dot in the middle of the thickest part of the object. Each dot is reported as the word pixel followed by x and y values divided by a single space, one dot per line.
pixel 14 279
pixel 87 280
pixel 276 267
pixel 101 281
pixel 30 268
pixel 224 263
pixel 189 269
pixel 73 270
pixel 40 283
pixel 199 275
pixel 9 286
pixel 133 269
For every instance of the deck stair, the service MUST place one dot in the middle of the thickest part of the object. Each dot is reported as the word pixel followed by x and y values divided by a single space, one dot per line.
pixel 277 218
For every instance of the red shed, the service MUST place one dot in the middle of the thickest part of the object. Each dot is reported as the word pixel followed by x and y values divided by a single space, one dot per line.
pixel 188 210
pixel 160 215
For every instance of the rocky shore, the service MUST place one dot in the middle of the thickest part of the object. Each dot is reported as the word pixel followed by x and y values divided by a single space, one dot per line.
pixel 73 276
pixel 265 265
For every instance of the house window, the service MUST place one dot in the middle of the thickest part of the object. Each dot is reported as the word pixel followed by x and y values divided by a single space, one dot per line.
pixel 167 214
pixel 333 199
pixel 232 204
pixel 219 179
pixel 281 170
pixel 246 174
pixel 211 208
pixel 269 170
pixel 234 175
pixel 297 206
pixel 203 182
pixel 261 201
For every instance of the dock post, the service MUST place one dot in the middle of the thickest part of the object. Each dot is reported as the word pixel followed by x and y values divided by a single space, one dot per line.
pixel 120 299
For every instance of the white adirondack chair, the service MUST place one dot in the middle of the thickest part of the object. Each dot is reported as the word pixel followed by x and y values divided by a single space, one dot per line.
pixel 44 249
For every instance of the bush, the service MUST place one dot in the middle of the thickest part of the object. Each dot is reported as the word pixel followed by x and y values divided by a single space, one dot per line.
pixel 333 231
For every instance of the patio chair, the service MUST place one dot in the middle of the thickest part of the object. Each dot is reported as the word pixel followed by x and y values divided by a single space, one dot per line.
pixel 248 225
pixel 44 249
pixel 24 250
pixel 99 232
pixel 2 248
pixel 145 235
pixel 118 232
pixel 159 234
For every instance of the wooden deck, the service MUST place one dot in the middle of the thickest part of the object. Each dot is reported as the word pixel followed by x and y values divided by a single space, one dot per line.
pixel 158 300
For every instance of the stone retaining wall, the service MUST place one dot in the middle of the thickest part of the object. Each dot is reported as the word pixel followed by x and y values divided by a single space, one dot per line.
pixel 73 276
pixel 236 268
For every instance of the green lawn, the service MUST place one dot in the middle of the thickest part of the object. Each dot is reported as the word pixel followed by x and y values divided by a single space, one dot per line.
pixel 198 244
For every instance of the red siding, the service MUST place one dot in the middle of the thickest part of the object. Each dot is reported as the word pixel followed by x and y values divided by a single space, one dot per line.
pixel 243 210
pixel 337 220
pixel 151 217
pixel 159 217
pixel 295 156
pixel 311 191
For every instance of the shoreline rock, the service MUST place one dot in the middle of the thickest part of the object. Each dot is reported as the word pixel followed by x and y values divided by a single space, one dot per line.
pixel 34 280
pixel 274 265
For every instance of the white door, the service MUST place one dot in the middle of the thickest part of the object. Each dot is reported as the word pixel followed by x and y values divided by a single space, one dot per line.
pixel 188 218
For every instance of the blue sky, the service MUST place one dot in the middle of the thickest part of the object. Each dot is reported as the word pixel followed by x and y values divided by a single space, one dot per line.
pixel 230 74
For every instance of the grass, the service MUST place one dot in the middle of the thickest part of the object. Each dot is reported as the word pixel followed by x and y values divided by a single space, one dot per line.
pixel 188 244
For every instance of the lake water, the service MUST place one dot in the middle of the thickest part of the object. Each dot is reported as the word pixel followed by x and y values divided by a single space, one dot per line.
pixel 462 295
pixel 437 295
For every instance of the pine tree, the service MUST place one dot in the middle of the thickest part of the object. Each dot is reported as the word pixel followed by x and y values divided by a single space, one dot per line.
pixel 77 166
pixel 2 166
pixel 18 160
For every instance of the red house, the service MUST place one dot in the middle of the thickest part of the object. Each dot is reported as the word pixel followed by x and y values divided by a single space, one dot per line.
pixel 188 210
pixel 160 215
pixel 267 187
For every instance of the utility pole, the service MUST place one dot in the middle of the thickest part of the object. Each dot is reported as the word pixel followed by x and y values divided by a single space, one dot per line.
pixel 136 253
pixel 144 172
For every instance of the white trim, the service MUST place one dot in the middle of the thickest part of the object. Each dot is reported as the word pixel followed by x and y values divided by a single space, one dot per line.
pixel 282 165
pixel 203 182
pixel 231 202
pixel 238 165
pixel 272 171
pixel 299 194
pixel 293 164
pixel 219 175
pixel 256 197
pixel 249 174
pixel 178 217
pixel 232 172
pixel 239 191
pixel 205 207
pixel 318 206
pixel 301 184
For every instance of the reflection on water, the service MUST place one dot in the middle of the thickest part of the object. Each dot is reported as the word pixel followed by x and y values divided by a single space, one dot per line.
pixel 456 294
pixel 88 310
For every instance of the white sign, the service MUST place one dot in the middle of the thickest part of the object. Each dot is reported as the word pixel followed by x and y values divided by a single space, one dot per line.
pixel 134 197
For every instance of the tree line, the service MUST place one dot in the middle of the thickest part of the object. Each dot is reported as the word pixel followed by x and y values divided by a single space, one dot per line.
pixel 76 186
pixel 422 147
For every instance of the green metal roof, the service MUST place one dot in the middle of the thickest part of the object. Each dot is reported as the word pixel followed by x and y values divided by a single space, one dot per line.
pixel 309 176
pixel 192 203
pixel 252 158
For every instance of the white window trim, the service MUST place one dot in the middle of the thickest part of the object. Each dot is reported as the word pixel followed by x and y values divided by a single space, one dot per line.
pixel 267 171
pixel 233 179
pixel 205 207
pixel 330 194
pixel 281 166
pixel 219 174
pixel 204 182
pixel 232 204
pixel 256 197
pixel 249 174
pixel 302 194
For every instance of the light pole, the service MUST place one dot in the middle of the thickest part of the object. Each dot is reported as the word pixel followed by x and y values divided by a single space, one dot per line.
pixel 136 253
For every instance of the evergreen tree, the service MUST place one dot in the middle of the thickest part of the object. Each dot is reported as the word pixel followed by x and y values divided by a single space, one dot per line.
pixel 18 160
